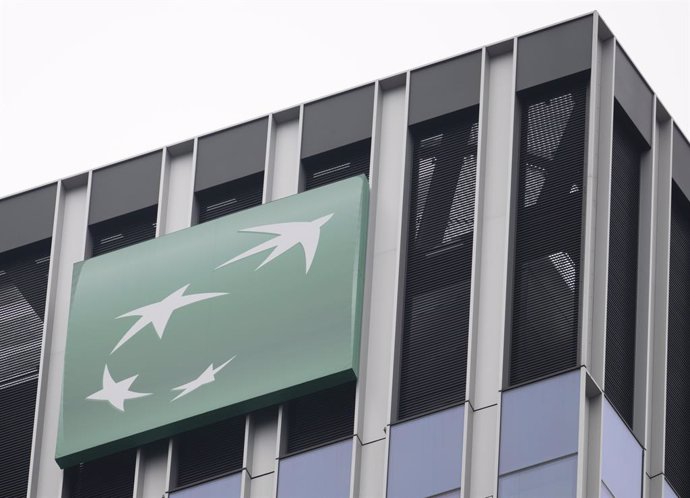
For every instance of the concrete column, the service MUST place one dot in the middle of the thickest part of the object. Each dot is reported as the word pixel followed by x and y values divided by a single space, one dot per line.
pixel 281 179
pixel 175 209
pixel 372 415
pixel 69 245
pixel 492 250
pixel 661 238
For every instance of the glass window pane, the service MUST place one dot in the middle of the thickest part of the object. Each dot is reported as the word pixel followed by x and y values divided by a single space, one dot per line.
pixel 223 487
pixel 425 455
pixel 557 478
pixel 605 493
pixel 539 422
pixel 668 492
pixel 317 473
pixel 621 456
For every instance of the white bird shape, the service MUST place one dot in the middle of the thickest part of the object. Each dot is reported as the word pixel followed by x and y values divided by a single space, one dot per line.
pixel 206 377
pixel 304 233
pixel 116 393
pixel 158 314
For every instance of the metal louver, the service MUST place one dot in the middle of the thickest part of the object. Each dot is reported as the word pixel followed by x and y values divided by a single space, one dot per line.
pixel 621 303
pixel 109 477
pixel 333 165
pixel 678 362
pixel 321 418
pixel 548 231
pixel 23 286
pixel 439 263
pixel 230 197
pixel 124 231
pixel 210 451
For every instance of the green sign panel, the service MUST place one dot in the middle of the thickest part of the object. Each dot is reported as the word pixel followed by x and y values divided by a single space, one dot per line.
pixel 246 311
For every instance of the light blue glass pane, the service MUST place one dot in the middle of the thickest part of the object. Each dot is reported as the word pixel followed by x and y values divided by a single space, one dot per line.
pixel 425 455
pixel 549 480
pixel 317 473
pixel 539 422
pixel 605 493
pixel 668 492
pixel 621 456
pixel 224 487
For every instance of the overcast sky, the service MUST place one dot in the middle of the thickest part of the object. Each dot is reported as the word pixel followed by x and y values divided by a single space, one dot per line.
pixel 88 83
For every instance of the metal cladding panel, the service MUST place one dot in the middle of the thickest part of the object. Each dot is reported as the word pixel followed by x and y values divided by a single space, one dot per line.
pixel 216 320
pixel 681 162
pixel 633 94
pixel 123 231
pixel 677 460
pixel 336 121
pixel 27 217
pixel 548 231
pixel 231 154
pixel 23 286
pixel 445 87
pixel 125 187
pixel 621 302
pixel 109 477
pixel 335 165
pixel 433 360
pixel 211 451
pixel 320 418
pixel 17 406
pixel 230 197
pixel 554 53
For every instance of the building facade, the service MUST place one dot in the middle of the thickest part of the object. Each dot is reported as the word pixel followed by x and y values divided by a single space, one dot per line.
pixel 525 318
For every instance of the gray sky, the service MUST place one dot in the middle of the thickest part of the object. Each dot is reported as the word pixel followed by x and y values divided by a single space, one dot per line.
pixel 88 83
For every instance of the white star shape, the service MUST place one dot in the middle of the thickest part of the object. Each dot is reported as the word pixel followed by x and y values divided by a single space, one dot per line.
pixel 116 393
pixel 304 233
pixel 206 377
pixel 158 314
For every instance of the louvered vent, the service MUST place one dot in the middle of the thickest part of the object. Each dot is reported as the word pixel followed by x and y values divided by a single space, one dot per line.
pixel 334 165
pixel 321 418
pixel 678 366
pixel 23 285
pixel 109 477
pixel 124 231
pixel 211 451
pixel 439 264
pixel 622 277
pixel 548 230
pixel 230 197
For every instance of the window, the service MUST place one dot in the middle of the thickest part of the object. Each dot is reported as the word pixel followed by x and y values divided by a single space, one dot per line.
pixel 112 476
pixel 622 277
pixel 321 472
pixel 433 360
pixel 318 444
pixel 123 231
pixel 210 451
pixel 678 362
pixel 320 418
pixel 338 164
pixel 23 286
pixel 230 197
pixel 425 455
pixel 548 231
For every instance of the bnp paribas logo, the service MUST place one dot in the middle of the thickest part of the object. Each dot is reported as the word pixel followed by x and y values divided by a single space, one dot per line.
pixel 216 320
pixel 155 316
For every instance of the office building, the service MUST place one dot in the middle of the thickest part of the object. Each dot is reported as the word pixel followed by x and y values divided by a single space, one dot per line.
pixel 470 279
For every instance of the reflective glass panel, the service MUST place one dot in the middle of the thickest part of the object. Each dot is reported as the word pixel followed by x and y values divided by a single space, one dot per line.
pixel 549 480
pixel 425 456
pixel 539 422
pixel 317 473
